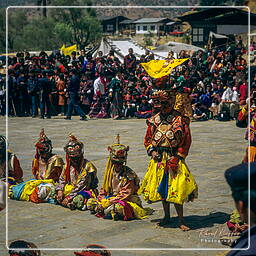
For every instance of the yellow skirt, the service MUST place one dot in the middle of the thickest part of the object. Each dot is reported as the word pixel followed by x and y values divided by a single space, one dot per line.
pixel 181 187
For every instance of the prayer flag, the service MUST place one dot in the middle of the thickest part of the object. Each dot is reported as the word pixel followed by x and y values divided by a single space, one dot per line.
pixel 68 50
pixel 160 68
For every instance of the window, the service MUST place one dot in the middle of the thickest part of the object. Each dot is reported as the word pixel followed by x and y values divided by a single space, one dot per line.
pixel 152 27
pixel 145 28
pixel 138 28
pixel 198 35
pixel 110 27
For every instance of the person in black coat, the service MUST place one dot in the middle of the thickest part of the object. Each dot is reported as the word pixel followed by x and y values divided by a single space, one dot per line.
pixel 45 90
pixel 73 89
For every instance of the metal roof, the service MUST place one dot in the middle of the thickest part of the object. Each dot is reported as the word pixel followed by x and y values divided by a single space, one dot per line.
pixel 103 18
pixel 170 23
pixel 231 15
pixel 151 20
pixel 128 21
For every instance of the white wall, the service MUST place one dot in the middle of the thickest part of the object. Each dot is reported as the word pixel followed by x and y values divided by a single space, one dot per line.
pixel 141 31
pixel 233 29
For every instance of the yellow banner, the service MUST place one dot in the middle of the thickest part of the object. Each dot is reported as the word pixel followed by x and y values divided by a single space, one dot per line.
pixel 160 68
pixel 68 50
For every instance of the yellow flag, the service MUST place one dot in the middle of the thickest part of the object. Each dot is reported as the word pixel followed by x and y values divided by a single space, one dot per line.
pixel 68 50
pixel 62 47
pixel 160 68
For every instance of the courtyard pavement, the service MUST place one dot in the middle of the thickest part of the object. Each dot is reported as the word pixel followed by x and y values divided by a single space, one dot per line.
pixel 215 147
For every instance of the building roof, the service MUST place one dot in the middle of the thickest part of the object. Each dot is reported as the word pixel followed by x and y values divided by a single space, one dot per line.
pixel 228 16
pixel 128 21
pixel 171 23
pixel 151 20
pixel 104 18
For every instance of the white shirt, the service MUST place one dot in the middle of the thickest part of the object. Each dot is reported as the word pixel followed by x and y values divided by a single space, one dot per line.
pixel 227 94
pixel 235 97
pixel 98 86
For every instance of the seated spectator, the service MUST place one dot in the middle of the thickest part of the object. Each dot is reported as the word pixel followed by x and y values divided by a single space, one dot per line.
pixel 198 112
pixel 230 101
pixel 145 109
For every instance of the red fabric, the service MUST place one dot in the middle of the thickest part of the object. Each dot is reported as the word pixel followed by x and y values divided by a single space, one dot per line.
pixel 17 171
pixel 67 171
pixel 243 92
pixel 185 144
pixel 34 197
pixel 172 164
pixel 128 211
pixel 242 115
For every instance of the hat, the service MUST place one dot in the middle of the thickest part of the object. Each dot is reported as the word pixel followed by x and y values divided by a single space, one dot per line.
pixel 118 151
pixel 237 178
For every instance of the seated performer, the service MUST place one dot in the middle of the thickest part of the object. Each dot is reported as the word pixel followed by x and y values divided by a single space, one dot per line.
pixel 118 197
pixel 167 141
pixel 78 181
pixel 46 165
pixel 15 172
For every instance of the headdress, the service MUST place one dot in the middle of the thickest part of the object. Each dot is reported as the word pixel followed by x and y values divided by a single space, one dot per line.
pixel 43 145
pixel 118 152
pixel 74 150
pixel 74 147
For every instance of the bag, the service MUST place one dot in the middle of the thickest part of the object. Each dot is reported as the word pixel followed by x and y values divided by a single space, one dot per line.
pixel 224 116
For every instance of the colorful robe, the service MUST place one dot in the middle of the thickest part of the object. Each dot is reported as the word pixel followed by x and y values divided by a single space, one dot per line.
pixel 242 121
pixel 170 137
pixel 15 172
pixel 118 197
pixel 51 170
pixel 79 185
pixel 36 191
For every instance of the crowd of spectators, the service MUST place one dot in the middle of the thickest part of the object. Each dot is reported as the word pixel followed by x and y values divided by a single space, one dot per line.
pixel 102 86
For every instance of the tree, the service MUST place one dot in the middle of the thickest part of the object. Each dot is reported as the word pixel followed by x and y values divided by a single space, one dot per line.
pixel 43 3
pixel 17 20
pixel 2 30
pixel 38 35
pixel 148 39
pixel 84 25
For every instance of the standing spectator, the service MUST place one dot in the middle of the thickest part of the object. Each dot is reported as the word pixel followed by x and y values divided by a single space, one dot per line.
pixel 45 90
pixel 99 105
pixel 243 91
pixel 33 91
pixel 130 62
pixel 86 92
pixel 115 96
pixel 22 95
pixel 61 90
pixel 73 89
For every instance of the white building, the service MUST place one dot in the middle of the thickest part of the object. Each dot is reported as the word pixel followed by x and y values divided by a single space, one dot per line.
pixel 153 25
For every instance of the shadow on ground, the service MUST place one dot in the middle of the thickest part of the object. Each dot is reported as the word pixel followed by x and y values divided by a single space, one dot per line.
pixel 198 221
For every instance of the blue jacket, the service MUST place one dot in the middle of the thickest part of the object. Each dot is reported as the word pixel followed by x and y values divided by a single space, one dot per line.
pixel 242 242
